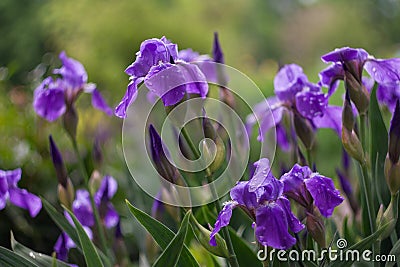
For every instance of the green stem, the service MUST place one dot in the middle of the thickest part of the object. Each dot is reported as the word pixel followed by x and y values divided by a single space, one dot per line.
pixel 190 143
pixel 225 232
pixel 363 136
pixel 85 175
pixel 309 158
pixel 366 180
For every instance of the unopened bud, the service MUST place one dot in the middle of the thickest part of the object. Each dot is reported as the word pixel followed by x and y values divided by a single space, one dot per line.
pixel 394 135
pixel 347 113
pixel 70 121
pixel 66 193
pixel 95 181
pixel 58 163
pixel 358 94
pixel 159 155
pixel 304 131
pixel 387 219
pixel 392 175
pixel 218 151
pixel 352 145
pixel 315 226
pixel 203 236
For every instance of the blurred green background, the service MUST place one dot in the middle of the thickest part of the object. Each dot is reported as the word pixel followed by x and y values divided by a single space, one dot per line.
pixel 256 36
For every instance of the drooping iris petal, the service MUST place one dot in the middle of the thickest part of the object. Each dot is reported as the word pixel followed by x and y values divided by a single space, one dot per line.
pixel 272 227
pixel 326 196
pixel 99 103
pixel 61 247
pixel 111 218
pixel 23 199
pixel 330 77
pixel 223 220
pixel 3 192
pixel 267 113
pixel 289 81
pixel 48 100
pixel 311 104
pixel 82 208
pixel 384 71
pixel 19 197
pixel 332 118
pixel 72 71
pixel 388 94
pixel 129 97
pixel 294 224
pixel 107 189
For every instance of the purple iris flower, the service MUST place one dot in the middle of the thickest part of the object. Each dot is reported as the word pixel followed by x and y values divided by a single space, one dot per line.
pixel 294 93
pixel 83 211
pixel 64 243
pixel 346 61
pixel 104 194
pixel 82 207
pixel 53 96
pixel 262 199
pixel 19 197
pixel 157 65
pixel 308 188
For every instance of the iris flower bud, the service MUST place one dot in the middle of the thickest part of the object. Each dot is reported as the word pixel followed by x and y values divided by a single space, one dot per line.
pixel 392 164
pixel 159 155
pixel 304 130
pixel 209 132
pixel 203 236
pixel 315 226
pixel 58 163
pixel 358 94
pixel 394 135
pixel 387 218
pixel 350 141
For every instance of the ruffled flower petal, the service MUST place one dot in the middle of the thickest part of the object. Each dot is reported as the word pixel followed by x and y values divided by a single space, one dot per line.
pixel 129 97
pixel 223 220
pixel 289 81
pixel 272 227
pixel 332 118
pixel 384 71
pixel 82 208
pixel 49 101
pixel 326 196
pixel 311 104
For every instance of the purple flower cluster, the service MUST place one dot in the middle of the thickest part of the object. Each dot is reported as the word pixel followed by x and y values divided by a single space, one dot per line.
pixel 348 63
pixel 265 199
pixel 19 197
pixel 165 72
pixel 53 97
pixel 82 209
pixel 294 93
